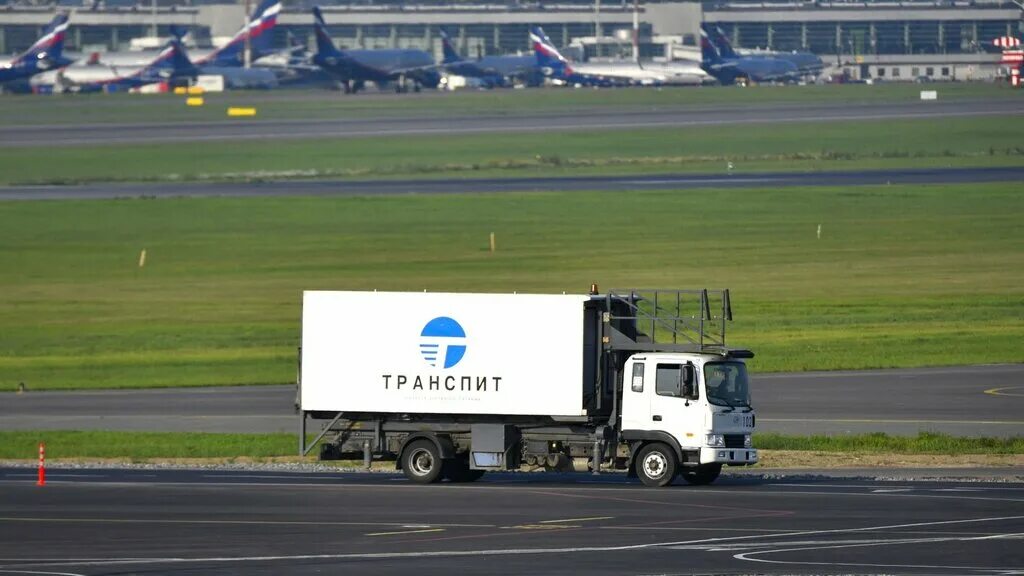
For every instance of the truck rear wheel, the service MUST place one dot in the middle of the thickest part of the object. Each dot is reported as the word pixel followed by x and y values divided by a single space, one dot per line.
pixel 421 462
pixel 704 474
pixel 656 465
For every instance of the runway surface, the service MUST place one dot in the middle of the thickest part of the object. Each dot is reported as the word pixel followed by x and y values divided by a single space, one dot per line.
pixel 501 185
pixel 964 401
pixel 610 118
pixel 92 522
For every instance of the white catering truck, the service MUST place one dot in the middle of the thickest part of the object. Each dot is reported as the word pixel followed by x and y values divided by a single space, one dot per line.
pixel 450 386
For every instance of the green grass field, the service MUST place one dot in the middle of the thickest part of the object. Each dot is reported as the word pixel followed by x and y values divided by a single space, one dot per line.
pixel 920 143
pixel 285 104
pixel 18 445
pixel 901 276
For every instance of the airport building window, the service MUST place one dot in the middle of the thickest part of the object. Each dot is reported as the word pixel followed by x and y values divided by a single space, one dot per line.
pixel 881 72
pixel 786 36
pixel 929 71
pixel 915 71
pixel 895 72
pixel 821 37
pixel 924 37
pixel 945 71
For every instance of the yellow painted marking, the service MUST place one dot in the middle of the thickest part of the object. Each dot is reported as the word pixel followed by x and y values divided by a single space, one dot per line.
pixel 406 532
pixel 195 90
pixel 194 101
pixel 1001 391
pixel 236 111
pixel 576 519
pixel 180 90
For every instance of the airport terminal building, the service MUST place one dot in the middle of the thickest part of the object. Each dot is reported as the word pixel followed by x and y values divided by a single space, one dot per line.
pixel 878 39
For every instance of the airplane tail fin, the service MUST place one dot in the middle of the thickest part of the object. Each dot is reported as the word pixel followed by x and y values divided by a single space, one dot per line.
pixel 548 57
pixel 50 45
pixel 324 44
pixel 451 55
pixel 258 28
pixel 261 26
pixel 172 62
pixel 719 41
pixel 708 53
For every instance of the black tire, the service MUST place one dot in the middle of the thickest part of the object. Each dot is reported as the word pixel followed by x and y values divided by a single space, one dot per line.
pixel 704 474
pixel 421 462
pixel 656 465
pixel 458 470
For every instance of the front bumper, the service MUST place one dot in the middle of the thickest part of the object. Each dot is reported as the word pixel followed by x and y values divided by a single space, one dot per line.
pixel 736 456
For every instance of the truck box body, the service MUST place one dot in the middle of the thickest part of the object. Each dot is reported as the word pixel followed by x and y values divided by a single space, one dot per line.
pixel 442 353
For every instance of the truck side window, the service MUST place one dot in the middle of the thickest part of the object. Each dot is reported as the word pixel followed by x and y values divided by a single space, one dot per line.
pixel 638 377
pixel 669 381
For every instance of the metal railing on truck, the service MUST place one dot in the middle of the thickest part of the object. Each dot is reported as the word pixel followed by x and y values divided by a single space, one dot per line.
pixel 667 320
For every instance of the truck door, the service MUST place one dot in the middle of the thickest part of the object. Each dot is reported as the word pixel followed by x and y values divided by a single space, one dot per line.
pixel 675 403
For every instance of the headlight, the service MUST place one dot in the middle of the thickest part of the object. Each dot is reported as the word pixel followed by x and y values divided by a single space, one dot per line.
pixel 715 440
pixel 747 442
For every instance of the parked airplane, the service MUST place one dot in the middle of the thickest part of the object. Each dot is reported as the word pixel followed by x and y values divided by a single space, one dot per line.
pixel 170 64
pixel 45 54
pixel 354 68
pixel 807 63
pixel 722 62
pixel 557 67
pixel 293 66
pixel 259 29
pixel 491 70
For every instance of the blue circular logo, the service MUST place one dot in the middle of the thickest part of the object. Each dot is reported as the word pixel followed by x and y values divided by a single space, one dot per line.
pixel 443 342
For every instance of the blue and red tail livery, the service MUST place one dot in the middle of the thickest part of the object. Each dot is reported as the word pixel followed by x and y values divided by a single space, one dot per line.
pixel 45 53
pixel 548 57
pixel 259 29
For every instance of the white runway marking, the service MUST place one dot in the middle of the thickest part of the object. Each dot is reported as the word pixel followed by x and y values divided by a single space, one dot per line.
pixel 540 551
pixel 37 572
pixel 749 556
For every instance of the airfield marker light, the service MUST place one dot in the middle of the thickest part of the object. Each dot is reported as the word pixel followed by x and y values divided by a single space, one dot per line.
pixel 142 258
pixel 42 465
pixel 819 231
pixel 493 244
pixel 235 111
pixel 194 101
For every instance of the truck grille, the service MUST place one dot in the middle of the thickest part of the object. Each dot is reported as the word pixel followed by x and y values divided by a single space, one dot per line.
pixel 734 440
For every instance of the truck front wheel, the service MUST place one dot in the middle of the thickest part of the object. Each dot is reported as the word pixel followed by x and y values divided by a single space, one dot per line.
pixel 421 462
pixel 704 474
pixel 656 465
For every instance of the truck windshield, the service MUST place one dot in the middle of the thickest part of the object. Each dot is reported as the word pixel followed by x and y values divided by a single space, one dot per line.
pixel 726 383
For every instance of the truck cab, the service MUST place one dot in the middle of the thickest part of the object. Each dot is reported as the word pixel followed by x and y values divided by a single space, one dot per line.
pixel 693 409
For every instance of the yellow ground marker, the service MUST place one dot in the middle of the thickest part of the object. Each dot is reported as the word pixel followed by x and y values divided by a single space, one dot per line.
pixel 194 101
pixel 180 90
pixel 196 90
pixel 1003 391
pixel 237 111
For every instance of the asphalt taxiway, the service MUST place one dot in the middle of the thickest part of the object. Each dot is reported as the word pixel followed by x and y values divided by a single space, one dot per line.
pixel 92 522
pixel 962 401
pixel 369 125
pixel 681 182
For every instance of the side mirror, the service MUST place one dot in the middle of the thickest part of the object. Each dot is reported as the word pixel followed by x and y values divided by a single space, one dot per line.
pixel 689 382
